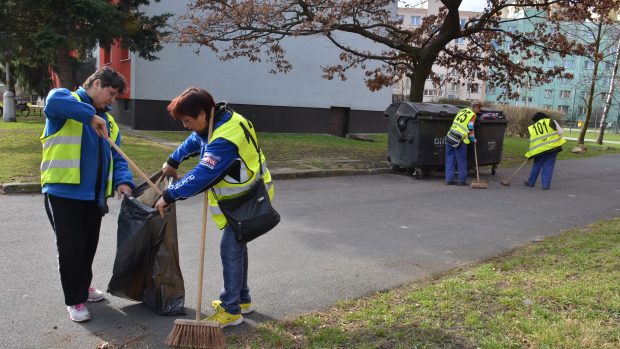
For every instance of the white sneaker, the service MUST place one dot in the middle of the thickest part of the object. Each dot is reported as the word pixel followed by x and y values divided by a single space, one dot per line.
pixel 78 312
pixel 94 295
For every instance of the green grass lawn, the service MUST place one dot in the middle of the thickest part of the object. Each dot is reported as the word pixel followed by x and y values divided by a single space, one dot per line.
pixel 609 136
pixel 562 292
pixel 21 150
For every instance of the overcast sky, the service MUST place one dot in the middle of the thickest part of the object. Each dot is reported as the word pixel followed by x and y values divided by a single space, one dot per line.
pixel 466 5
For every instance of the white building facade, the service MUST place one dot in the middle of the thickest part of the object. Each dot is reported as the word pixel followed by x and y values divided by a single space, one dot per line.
pixel 299 101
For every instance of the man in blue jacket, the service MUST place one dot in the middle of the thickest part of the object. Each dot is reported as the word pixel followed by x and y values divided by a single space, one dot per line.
pixel 79 171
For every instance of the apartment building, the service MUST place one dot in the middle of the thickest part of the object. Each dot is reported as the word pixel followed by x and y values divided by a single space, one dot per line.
pixel 458 88
pixel 569 96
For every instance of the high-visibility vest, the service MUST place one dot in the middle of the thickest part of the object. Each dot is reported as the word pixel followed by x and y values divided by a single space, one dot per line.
pixel 461 120
pixel 239 131
pixel 62 153
pixel 543 137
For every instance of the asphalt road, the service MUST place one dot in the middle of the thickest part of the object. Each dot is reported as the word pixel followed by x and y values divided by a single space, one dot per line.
pixel 340 238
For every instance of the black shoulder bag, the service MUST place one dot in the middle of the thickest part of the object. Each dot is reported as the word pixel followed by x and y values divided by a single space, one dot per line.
pixel 250 214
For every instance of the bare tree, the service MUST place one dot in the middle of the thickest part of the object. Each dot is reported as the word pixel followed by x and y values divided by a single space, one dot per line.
pixel 610 94
pixel 256 30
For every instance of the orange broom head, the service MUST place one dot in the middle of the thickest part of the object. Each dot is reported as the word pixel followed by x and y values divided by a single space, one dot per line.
pixel 479 185
pixel 196 334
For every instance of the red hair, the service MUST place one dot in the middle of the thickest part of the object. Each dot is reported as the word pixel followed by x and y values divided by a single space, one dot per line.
pixel 190 103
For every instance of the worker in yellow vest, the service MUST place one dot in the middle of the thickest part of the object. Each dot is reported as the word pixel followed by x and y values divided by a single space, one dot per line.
pixel 461 134
pixel 230 162
pixel 545 144
pixel 79 170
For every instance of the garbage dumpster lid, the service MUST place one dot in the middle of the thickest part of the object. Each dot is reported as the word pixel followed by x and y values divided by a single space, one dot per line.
pixel 415 109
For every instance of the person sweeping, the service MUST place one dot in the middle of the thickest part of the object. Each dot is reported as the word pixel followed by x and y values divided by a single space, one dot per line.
pixel 545 144
pixel 229 165
pixel 461 134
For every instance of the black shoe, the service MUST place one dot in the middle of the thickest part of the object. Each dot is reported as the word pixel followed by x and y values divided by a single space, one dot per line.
pixel 527 184
pixel 463 184
pixel 451 183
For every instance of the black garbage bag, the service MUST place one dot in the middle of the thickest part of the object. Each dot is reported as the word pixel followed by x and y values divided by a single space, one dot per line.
pixel 146 267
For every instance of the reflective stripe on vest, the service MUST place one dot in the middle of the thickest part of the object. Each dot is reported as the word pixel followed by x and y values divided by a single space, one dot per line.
pixel 239 131
pixel 461 120
pixel 543 137
pixel 62 152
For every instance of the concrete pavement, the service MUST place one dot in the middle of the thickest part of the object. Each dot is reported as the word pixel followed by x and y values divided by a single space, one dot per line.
pixel 340 238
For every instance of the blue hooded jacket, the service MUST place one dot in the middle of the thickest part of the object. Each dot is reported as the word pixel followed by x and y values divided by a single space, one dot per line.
pixel 95 151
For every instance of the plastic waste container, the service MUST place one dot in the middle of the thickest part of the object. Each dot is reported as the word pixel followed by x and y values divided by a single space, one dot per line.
pixel 417 131
pixel 416 135
pixel 489 127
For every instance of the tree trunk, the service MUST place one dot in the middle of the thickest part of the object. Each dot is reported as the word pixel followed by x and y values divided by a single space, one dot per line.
pixel 597 61
pixel 418 79
pixel 601 131
pixel 64 68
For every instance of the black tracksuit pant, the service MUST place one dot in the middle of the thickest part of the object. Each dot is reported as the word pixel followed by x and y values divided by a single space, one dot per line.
pixel 76 224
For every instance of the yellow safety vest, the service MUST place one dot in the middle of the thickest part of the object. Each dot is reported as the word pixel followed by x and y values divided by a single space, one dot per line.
pixel 461 120
pixel 543 137
pixel 62 152
pixel 239 131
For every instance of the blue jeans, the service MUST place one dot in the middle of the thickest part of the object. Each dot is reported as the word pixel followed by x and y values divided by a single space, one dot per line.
pixel 543 165
pixel 456 159
pixel 235 269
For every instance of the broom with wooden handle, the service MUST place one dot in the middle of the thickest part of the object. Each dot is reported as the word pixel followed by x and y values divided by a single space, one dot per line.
pixel 133 165
pixel 196 333
pixel 478 184
pixel 506 182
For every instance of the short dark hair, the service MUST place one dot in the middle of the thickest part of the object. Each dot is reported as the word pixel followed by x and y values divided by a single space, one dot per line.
pixel 538 116
pixel 109 78
pixel 190 103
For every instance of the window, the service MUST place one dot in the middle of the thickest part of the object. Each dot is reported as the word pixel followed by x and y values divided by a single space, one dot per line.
pixel 581 110
pixel 491 90
pixel 609 65
pixel 569 64
pixel 400 18
pixel 589 65
pixel 583 94
pixel 604 95
pixel 459 41
pixel 416 20
pixel 508 43
pixel 548 93
pixel 473 88
pixel 563 108
pixel 429 92
pixel 512 28
pixel 565 94
pixel 454 86
pixel 462 22
pixel 526 99
pixel 566 80
pixel 547 106
pixel 551 63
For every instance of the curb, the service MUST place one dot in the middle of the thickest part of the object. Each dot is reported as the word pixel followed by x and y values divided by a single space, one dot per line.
pixel 35 188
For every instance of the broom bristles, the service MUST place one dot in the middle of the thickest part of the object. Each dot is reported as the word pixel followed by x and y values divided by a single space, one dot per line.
pixel 196 334
pixel 479 185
